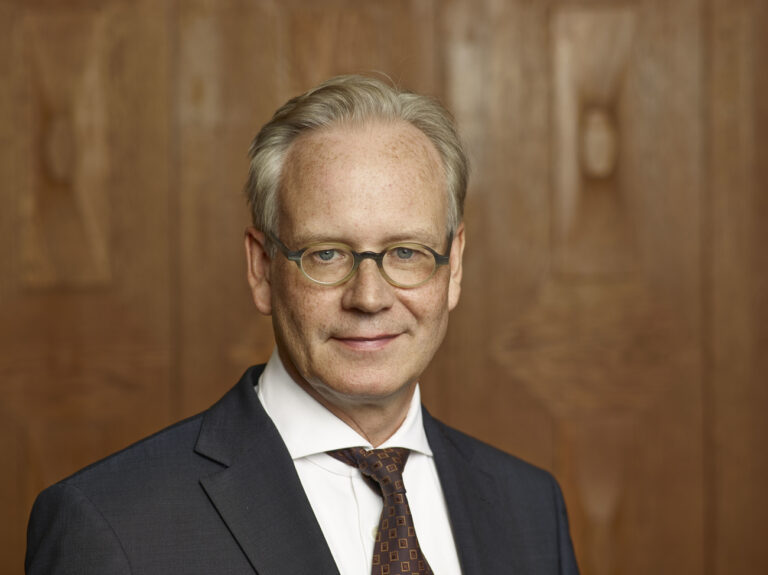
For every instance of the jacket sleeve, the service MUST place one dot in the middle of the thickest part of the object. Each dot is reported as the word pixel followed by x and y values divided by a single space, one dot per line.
pixel 67 534
pixel 568 564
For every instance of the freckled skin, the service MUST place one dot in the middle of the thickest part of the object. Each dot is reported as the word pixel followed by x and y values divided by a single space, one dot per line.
pixel 359 348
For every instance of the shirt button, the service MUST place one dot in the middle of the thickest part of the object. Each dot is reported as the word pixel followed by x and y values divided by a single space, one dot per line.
pixel 374 531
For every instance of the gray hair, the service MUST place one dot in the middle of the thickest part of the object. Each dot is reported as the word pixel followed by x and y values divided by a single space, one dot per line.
pixel 350 99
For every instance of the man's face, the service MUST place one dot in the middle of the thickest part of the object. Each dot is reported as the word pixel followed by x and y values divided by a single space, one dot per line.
pixel 368 186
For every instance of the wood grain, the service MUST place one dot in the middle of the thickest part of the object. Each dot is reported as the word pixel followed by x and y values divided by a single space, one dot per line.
pixel 577 335
pixel 738 287
pixel 228 84
pixel 64 216
pixel 84 345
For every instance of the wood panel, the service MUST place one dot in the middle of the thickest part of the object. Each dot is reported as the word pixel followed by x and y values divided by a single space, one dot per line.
pixel 227 87
pixel 322 39
pixel 84 298
pixel 495 70
pixel 577 343
pixel 738 287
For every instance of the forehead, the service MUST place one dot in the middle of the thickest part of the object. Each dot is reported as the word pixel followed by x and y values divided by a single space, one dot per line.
pixel 354 182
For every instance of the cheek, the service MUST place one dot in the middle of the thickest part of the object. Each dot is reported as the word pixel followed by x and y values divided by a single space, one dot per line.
pixel 429 307
pixel 299 311
pixel 287 305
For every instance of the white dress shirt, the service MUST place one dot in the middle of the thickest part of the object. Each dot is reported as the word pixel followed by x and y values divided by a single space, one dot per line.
pixel 346 507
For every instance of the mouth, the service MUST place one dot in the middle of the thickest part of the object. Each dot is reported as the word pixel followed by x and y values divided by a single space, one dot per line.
pixel 366 343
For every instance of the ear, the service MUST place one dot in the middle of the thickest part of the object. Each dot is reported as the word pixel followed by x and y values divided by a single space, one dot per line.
pixel 259 263
pixel 457 256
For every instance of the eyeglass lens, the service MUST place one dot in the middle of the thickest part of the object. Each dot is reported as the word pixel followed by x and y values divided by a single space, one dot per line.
pixel 406 264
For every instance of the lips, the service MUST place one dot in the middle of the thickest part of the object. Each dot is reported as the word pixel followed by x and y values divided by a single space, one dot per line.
pixel 366 343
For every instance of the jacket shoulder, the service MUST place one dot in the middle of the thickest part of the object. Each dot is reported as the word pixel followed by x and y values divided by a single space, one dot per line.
pixel 524 503
pixel 110 516
pixel 488 457
pixel 158 451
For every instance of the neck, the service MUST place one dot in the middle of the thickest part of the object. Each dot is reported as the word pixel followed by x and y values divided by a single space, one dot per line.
pixel 376 419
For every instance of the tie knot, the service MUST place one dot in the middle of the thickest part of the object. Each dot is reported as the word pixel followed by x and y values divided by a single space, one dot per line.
pixel 384 466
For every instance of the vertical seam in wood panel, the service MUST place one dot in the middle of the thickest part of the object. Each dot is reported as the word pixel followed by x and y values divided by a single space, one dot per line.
pixel 283 61
pixel 439 58
pixel 709 467
pixel 174 179
pixel 550 11
pixel 557 446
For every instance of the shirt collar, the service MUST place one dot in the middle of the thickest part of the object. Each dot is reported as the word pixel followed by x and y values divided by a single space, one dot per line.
pixel 307 427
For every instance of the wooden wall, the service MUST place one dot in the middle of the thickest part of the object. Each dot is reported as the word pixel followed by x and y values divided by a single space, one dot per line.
pixel 614 321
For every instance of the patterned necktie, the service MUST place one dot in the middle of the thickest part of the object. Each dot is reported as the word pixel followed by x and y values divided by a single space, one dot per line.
pixel 396 550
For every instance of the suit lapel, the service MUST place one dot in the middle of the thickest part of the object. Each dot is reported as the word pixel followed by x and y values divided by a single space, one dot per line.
pixel 258 494
pixel 478 521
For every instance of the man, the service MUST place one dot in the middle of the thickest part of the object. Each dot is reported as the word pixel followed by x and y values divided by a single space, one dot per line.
pixel 324 461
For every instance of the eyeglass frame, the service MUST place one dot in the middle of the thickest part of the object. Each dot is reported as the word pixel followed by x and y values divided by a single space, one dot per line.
pixel 358 257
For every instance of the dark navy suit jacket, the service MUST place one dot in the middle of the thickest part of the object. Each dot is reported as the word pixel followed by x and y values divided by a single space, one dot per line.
pixel 218 493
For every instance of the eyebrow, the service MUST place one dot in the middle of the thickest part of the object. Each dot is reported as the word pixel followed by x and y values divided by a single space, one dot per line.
pixel 417 235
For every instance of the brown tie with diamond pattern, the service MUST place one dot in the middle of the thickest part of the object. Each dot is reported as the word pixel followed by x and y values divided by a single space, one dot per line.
pixel 396 550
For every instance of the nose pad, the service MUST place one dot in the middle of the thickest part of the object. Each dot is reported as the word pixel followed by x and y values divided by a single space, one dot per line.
pixel 368 290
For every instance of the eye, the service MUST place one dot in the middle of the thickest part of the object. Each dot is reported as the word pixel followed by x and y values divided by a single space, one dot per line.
pixel 322 255
pixel 403 253
pixel 325 255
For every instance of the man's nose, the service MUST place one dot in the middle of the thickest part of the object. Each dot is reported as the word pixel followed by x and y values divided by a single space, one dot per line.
pixel 368 291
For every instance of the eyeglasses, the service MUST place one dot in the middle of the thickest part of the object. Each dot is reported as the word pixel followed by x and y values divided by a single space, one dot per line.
pixel 405 265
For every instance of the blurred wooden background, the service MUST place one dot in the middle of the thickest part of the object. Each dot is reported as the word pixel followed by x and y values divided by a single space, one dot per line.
pixel 614 320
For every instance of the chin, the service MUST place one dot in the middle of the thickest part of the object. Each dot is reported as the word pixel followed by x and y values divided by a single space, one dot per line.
pixel 363 386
